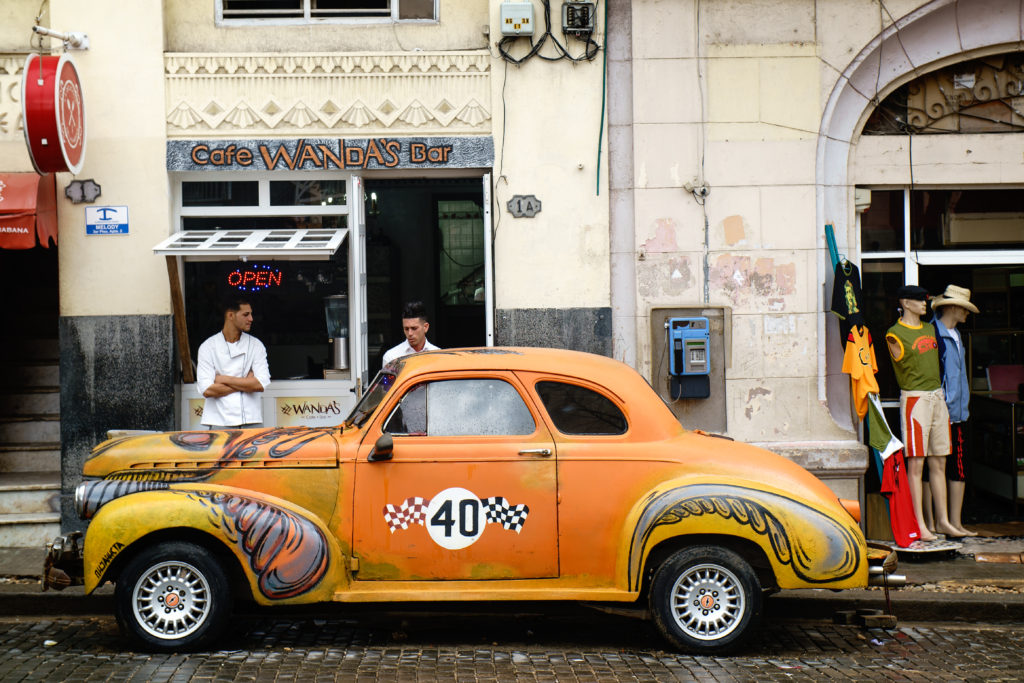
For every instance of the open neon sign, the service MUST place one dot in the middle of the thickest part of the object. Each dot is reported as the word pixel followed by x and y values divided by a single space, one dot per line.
pixel 255 278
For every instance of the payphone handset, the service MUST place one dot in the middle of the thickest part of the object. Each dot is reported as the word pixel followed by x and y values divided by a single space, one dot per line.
pixel 689 341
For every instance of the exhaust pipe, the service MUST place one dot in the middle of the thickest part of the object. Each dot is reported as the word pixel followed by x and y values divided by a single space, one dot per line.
pixel 878 577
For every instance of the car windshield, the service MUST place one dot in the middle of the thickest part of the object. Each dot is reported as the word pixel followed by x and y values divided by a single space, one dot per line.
pixel 379 388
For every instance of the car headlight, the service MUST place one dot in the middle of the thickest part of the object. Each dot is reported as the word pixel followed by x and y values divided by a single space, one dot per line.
pixel 80 498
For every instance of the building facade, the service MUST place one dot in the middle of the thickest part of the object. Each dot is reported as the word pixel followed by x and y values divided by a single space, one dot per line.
pixel 331 161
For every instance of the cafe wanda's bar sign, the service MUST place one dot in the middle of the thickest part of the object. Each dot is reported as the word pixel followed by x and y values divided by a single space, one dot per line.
pixel 330 154
pixel 54 113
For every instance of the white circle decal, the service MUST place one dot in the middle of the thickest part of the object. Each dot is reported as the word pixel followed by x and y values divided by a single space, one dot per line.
pixel 455 518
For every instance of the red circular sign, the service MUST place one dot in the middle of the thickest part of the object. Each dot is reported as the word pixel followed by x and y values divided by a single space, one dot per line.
pixel 53 113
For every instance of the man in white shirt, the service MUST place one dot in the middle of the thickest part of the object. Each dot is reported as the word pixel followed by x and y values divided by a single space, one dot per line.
pixel 232 371
pixel 415 326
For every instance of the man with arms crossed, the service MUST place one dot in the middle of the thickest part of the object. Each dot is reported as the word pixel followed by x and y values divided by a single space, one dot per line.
pixel 232 371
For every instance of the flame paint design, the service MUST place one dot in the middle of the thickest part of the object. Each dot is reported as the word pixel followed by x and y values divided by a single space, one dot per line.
pixel 840 560
pixel 288 553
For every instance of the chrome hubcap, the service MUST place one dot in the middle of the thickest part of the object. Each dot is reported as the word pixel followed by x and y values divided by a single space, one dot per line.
pixel 171 600
pixel 707 602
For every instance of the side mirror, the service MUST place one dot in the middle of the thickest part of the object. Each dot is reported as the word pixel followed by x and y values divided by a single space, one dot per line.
pixel 382 450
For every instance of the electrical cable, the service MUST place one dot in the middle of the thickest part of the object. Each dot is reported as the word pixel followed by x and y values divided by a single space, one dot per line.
pixel 590 50
pixel 604 93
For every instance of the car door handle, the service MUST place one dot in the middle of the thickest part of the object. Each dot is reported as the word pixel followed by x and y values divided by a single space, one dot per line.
pixel 546 452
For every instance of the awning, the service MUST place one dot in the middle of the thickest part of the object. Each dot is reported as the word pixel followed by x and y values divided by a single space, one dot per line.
pixel 295 244
pixel 28 209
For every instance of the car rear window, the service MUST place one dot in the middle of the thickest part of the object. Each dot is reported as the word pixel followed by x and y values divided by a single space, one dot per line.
pixel 462 407
pixel 579 410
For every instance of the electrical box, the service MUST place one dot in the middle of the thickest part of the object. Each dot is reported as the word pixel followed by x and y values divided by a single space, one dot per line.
pixel 689 361
pixel 578 18
pixel 516 18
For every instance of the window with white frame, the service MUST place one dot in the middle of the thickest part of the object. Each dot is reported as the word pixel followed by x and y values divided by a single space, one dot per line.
pixel 307 11
pixel 933 237
pixel 277 242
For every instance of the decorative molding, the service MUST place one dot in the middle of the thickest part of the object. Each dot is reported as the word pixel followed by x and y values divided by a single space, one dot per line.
pixel 10 97
pixel 359 94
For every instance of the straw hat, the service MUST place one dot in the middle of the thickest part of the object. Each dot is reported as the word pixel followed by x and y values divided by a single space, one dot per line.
pixel 955 296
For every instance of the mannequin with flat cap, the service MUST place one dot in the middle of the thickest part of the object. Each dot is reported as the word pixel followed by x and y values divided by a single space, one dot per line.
pixel 914 352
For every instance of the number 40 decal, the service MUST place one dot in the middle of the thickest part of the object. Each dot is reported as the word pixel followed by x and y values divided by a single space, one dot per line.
pixel 455 518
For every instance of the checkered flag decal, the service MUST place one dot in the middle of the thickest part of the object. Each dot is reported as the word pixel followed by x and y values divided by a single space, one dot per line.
pixel 508 516
pixel 411 511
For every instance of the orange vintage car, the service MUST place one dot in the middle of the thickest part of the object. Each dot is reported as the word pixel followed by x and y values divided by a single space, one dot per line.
pixel 466 474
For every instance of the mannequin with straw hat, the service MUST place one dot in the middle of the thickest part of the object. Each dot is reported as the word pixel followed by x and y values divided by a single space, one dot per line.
pixel 951 308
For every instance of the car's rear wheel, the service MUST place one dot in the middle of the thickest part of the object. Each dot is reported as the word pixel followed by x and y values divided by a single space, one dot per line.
pixel 173 596
pixel 705 599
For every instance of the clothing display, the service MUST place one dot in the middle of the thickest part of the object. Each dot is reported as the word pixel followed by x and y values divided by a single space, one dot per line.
pixel 925 423
pixel 954 372
pixel 860 364
pixel 895 485
pixel 846 297
pixel 896 489
pixel 917 365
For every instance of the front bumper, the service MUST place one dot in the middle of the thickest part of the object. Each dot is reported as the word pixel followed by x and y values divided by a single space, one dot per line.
pixel 64 565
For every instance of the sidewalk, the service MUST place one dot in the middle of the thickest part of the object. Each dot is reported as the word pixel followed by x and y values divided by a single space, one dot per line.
pixel 951 586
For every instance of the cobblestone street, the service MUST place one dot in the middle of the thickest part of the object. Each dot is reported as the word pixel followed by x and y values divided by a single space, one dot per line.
pixel 507 648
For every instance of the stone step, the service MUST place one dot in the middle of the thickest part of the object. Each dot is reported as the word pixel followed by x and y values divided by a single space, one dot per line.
pixel 30 457
pixel 29 428
pixel 30 401
pixel 21 349
pixel 29 492
pixel 28 530
pixel 29 374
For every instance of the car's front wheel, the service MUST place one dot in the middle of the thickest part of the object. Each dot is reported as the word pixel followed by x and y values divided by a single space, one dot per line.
pixel 173 596
pixel 705 599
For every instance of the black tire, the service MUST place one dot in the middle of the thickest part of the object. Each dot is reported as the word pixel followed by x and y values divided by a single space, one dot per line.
pixel 705 599
pixel 173 596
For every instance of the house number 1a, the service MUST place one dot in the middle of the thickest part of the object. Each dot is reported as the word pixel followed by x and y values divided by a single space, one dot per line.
pixel 524 205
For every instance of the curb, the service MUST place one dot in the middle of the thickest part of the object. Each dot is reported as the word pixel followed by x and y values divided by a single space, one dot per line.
pixel 810 604
pixel 915 606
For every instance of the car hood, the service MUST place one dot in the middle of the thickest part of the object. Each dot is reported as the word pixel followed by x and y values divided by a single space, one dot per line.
pixel 286 447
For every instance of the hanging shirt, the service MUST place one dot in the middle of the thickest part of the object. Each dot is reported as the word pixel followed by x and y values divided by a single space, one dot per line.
pixel 859 363
pixel 896 488
pixel 895 485
pixel 846 297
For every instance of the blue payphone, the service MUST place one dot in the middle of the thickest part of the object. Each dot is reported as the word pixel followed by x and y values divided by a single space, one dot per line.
pixel 689 358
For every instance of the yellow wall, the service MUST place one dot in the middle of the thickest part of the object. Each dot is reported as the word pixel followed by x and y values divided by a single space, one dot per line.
pixel 122 83
pixel 550 129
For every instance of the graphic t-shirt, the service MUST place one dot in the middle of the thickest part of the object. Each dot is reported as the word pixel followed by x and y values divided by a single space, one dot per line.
pixel 917 365
pixel 859 363
pixel 846 297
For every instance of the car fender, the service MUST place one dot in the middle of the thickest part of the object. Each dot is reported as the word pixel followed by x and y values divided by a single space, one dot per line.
pixel 807 546
pixel 286 553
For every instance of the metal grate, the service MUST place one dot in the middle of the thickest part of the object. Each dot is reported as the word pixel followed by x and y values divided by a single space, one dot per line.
pixel 287 244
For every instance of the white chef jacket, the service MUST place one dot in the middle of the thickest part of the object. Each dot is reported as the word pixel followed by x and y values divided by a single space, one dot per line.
pixel 405 349
pixel 218 357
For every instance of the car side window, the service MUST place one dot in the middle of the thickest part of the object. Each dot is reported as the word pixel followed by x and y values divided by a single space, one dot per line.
pixel 462 407
pixel 579 410
pixel 410 417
